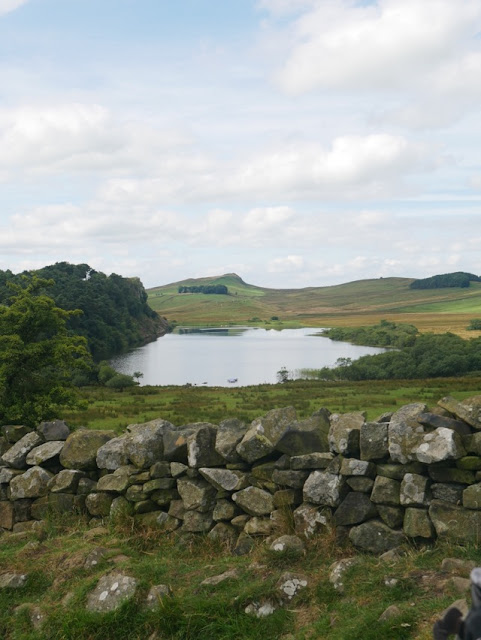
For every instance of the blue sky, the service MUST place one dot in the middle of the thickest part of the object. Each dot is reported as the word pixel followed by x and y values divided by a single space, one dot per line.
pixel 294 142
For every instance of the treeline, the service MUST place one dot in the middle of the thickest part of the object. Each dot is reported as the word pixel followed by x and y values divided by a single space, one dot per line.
pixel 384 334
pixel 457 279
pixel 115 314
pixel 430 356
pixel 219 289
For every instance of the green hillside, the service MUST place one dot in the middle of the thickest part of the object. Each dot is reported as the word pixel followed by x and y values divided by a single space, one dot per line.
pixel 354 303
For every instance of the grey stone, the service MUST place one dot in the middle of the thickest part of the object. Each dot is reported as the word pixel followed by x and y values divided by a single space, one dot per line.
pixel 162 484
pixel 375 537
pixel 290 478
pixel 393 611
pixel 398 471
pixel 160 520
pixel 196 493
pixel 405 431
pixel 160 469
pixel 113 454
pixel 360 483
pixel 223 479
pixel 414 491
pixel 66 481
pixel 354 509
pixel 111 592
pixel 455 523
pixel 14 432
pixel 448 492
pixel 312 461
pixel 338 570
pixel 201 447
pixel 54 430
pixel 306 436
pixel 31 484
pixel 472 497
pixel 244 545
pixel 16 456
pixel 451 474
pixel 213 581
pixel 98 504
pixel 196 522
pixel 417 524
pixel 224 510
pixel 386 491
pixel 145 442
pixel 439 445
pixel 291 584
pixel 325 488
pixel 374 441
pixel 264 433
pixel 7 519
pixel 354 467
pixel 111 482
pixel 468 410
pixel 344 433
pixel 469 463
pixel 258 526
pixel 157 594
pixel 223 533
pixel 288 544
pixel 229 434
pixel 175 444
pixel 434 421
pixel 44 452
pixel 13 580
pixel 120 508
pixel 254 501
pixel 178 469
pixel 287 498
pixel 80 450
pixel 393 517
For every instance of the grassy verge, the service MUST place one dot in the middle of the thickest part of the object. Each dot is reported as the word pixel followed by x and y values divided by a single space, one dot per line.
pixel 59 582
pixel 111 409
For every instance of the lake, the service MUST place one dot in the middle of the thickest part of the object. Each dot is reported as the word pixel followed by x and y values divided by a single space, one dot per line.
pixel 248 355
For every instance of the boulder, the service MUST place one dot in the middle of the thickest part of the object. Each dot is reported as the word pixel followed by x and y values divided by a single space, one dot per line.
pixel 160 520
pixel 145 442
pixel 455 523
pixel 225 510
pixel 414 491
pixel 324 488
pixel 306 436
pixel 434 421
pixel 98 504
pixel 31 484
pixel 175 444
pixel 374 440
pixel 448 492
pixel 16 456
pixel 439 445
pixel 113 454
pixel 224 479
pixel 338 570
pixel 45 452
pixel 223 533
pixel 393 517
pixel 354 467
pixel 386 491
pixel 472 496
pixel 111 592
pixel 13 580
pixel 417 524
pixel 312 461
pixel 468 410
pixel 259 526
pixel 229 434
pixel 290 478
pixel 66 481
pixel 344 433
pixel 14 432
pixel 54 430
pixel 196 522
pixel 157 594
pixel 288 544
pixel 201 447
pixel 80 450
pixel 196 493
pixel 290 585
pixel 354 509
pixel 405 432
pixel 264 433
pixel 254 501
pixel 375 537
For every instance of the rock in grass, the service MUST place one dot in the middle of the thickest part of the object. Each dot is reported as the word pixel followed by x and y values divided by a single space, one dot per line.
pixel 13 580
pixel 111 592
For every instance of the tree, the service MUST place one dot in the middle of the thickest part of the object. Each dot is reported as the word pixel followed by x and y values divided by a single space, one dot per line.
pixel 120 381
pixel 283 375
pixel 137 375
pixel 38 355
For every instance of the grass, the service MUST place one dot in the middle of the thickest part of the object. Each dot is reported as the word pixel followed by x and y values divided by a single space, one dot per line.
pixel 55 565
pixel 111 409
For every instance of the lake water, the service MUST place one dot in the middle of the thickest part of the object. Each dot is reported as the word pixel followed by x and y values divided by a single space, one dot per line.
pixel 249 355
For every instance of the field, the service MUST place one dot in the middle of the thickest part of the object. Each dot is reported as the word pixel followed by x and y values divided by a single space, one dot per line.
pixel 356 303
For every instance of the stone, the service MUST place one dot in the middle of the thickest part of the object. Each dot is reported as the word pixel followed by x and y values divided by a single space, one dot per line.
pixel 159 520
pixel 145 506
pixel 398 471
pixel 244 545
pixel 354 509
pixel 310 519
pixel 472 497
pixel 213 581
pixel 393 611
pixel 224 510
pixel 16 456
pixel 325 488
pixel 291 584
pixel 136 493
pixel 163 497
pixel 290 478
pixel 223 479
pixel 472 443
pixel 312 461
pixel 86 486
pixel 374 441
pixel 177 509
pixel 196 493
pixel 175 444
pixel 7 518
pixel 229 434
pixel 455 523
pixel 196 522
pixel 254 501
pixel 111 592
pixel 66 481
pixel 62 502
pixel 386 491
pixel 434 421
pixel 94 557
pixel 417 524
pixel 414 490
pixel 354 467
pixel 145 442
pixel 439 445
pixel 98 504
pixel 288 544
pixel 120 508
pixel 178 469
pixel 13 580
pixel 338 570
pixel 111 482
pixel 260 609
pixel 201 447
pixel 80 449
pixel 468 410
pixel 469 463
pixel 54 430
pixel 405 431
pixel 157 595
pixel 359 483
pixel 45 452
pixel 344 433
pixel 14 432
pixel 375 537
pixel 393 517
pixel 223 533
pixel 31 484
pixel 7 474
pixel 160 469
pixel 113 454
pixel 306 436
pixel 457 565
pixel 287 498
pixel 264 433
pixel 451 475
pixel 448 492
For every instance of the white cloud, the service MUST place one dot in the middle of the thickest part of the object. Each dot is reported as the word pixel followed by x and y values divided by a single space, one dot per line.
pixel 6 6
pixel 392 43
pixel 288 264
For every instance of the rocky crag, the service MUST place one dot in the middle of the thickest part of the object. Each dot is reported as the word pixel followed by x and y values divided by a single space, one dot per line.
pixel 411 475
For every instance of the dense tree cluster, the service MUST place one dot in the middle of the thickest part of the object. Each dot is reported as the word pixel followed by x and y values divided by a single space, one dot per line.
pixel 457 279
pixel 430 356
pixel 39 357
pixel 219 289
pixel 384 334
pixel 115 315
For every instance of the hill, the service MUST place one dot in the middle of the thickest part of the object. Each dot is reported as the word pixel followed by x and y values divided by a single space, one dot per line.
pixel 115 315
pixel 354 303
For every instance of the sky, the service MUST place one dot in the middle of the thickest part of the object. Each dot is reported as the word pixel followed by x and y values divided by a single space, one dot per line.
pixel 293 142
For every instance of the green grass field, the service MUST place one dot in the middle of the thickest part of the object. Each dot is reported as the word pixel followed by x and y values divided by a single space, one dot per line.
pixel 354 303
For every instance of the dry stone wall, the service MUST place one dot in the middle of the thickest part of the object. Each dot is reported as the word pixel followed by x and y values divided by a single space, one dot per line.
pixel 414 474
